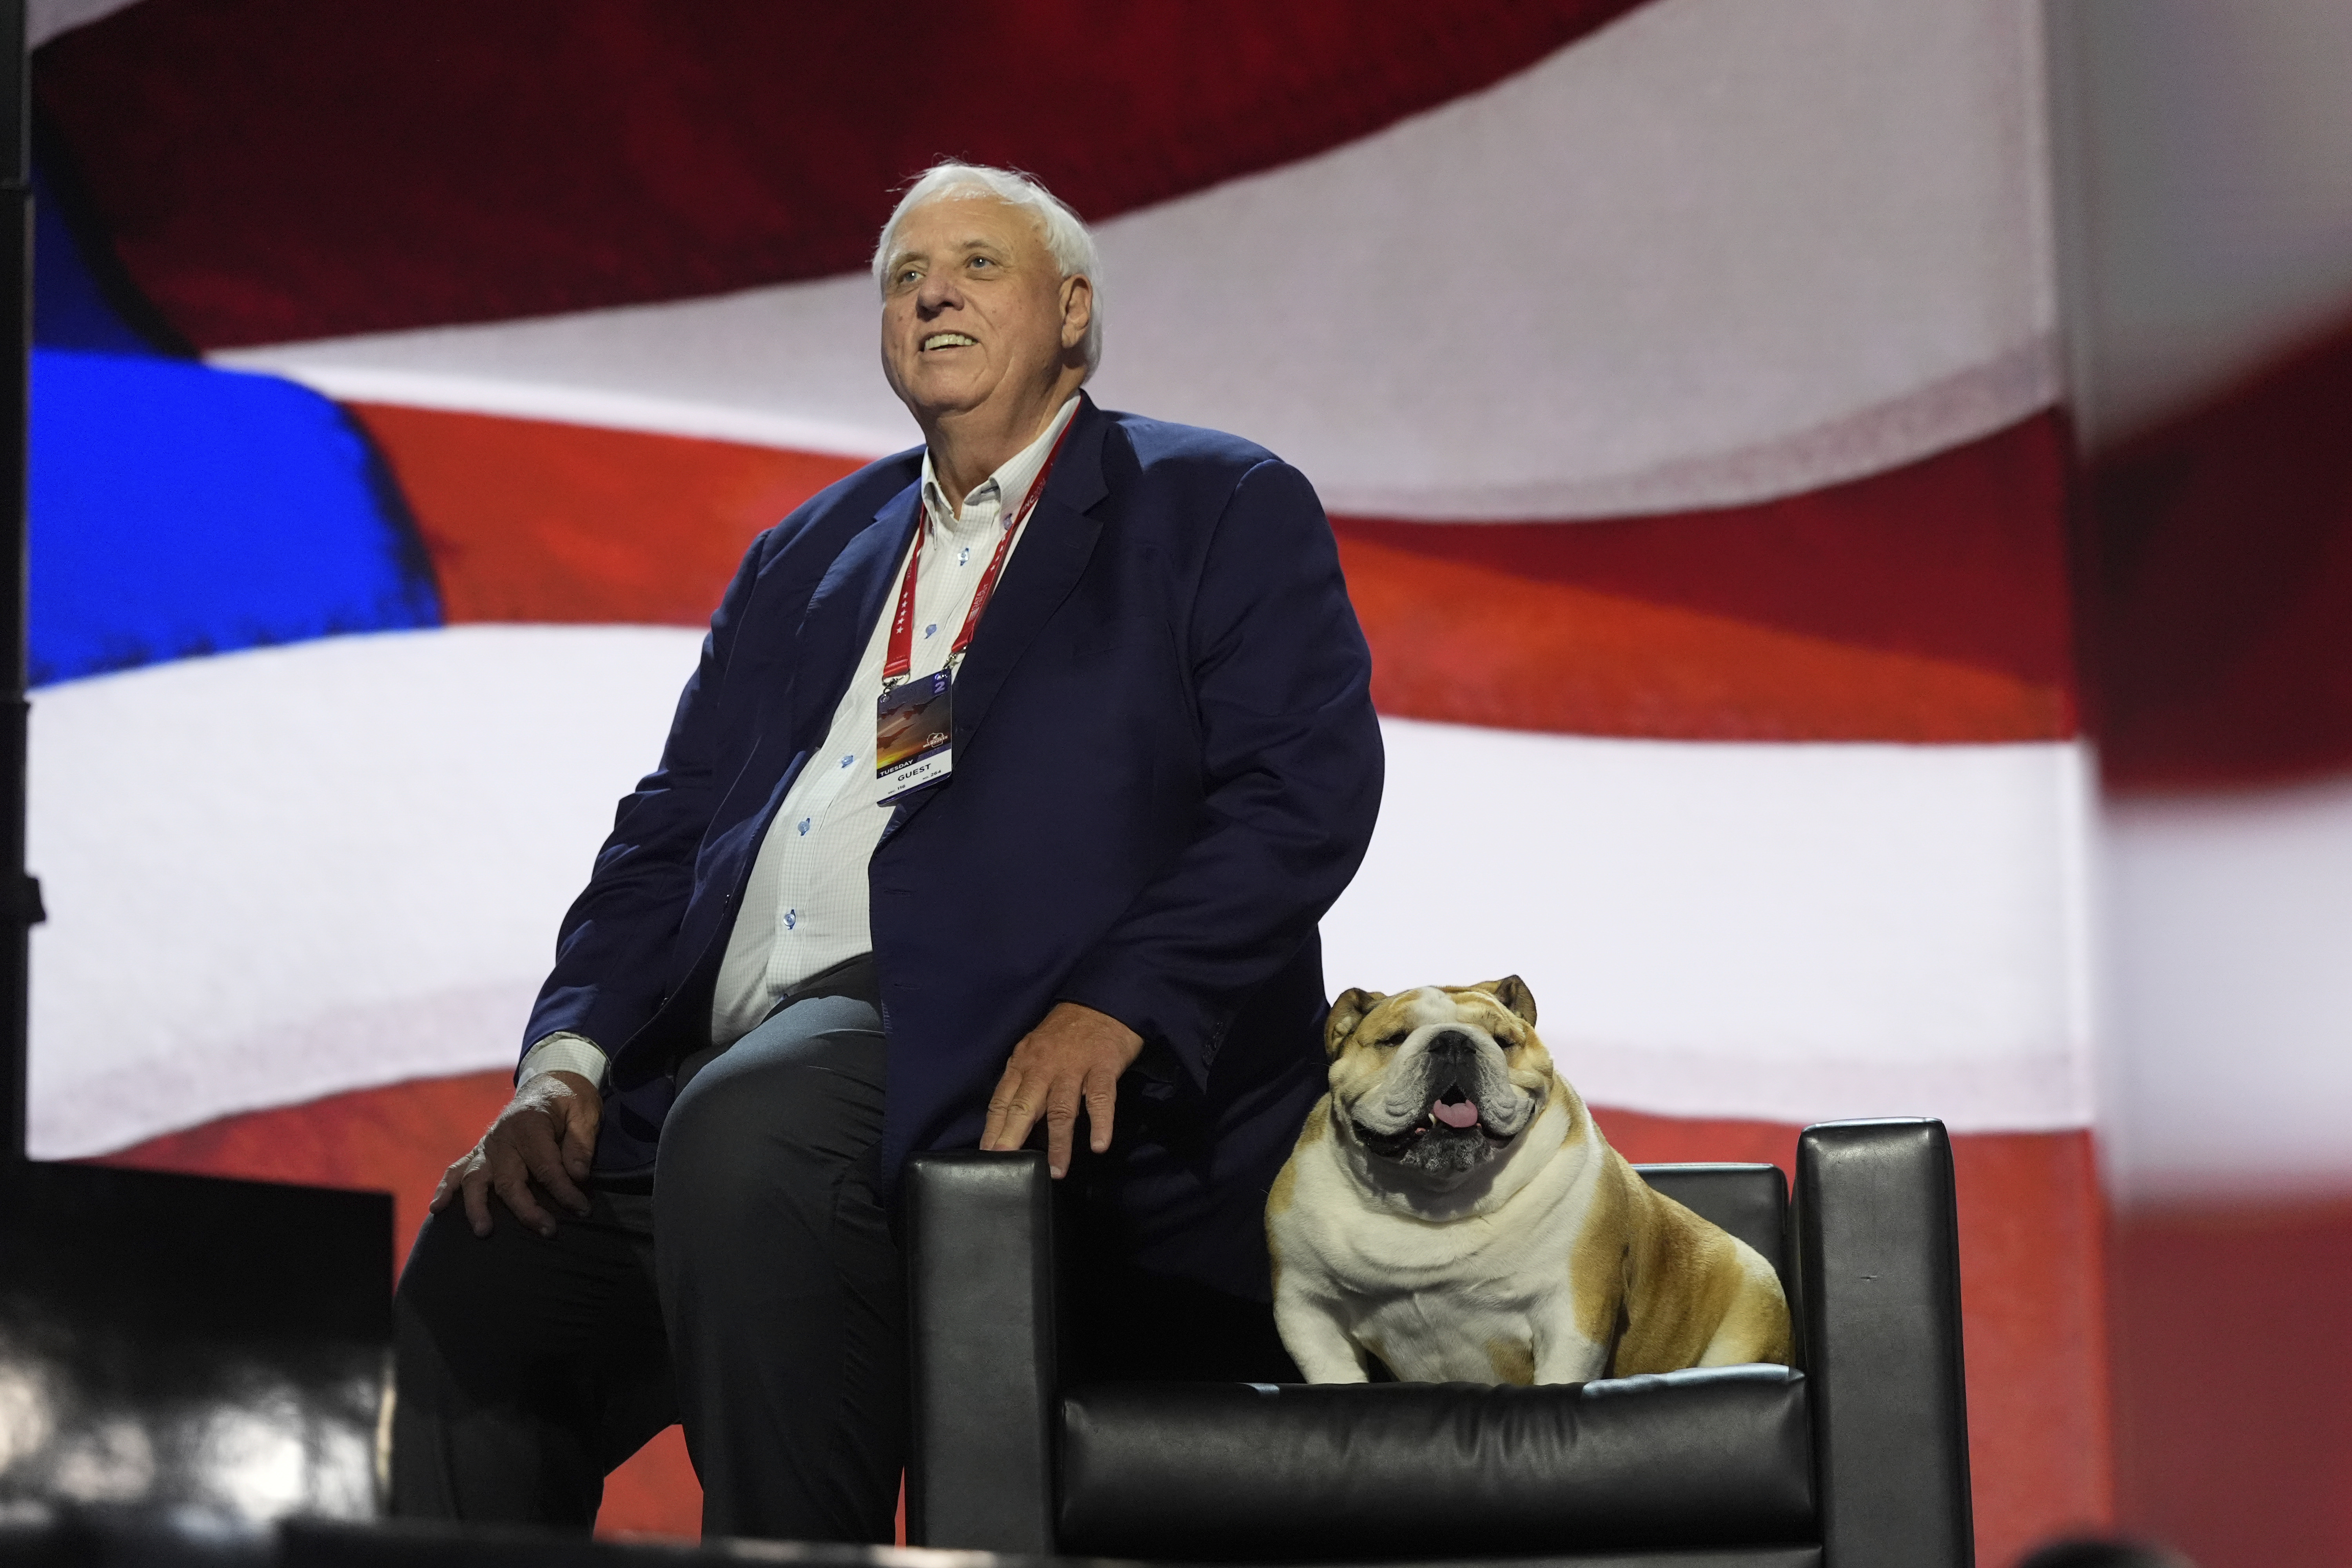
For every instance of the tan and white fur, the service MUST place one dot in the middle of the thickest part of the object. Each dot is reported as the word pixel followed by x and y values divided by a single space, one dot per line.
pixel 1511 1246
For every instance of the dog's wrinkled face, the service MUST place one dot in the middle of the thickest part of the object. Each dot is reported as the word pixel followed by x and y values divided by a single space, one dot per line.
pixel 1433 1083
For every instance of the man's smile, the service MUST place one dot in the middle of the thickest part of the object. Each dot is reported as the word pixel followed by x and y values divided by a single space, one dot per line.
pixel 948 340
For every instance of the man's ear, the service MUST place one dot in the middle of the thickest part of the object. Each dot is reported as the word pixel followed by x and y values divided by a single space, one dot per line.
pixel 1512 992
pixel 1345 1014
pixel 1078 309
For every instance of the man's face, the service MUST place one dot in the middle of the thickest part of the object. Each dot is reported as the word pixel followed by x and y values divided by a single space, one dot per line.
pixel 974 308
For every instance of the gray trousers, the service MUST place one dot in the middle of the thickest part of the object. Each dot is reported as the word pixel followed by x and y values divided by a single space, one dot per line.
pixel 751 1290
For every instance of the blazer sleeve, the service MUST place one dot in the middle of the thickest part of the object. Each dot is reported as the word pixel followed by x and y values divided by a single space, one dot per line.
pixel 1292 768
pixel 612 952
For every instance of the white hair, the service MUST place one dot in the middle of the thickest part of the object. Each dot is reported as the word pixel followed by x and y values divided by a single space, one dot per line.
pixel 1072 247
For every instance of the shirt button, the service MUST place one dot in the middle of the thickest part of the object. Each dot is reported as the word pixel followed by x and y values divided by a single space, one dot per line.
pixel 804 826
pixel 848 758
pixel 791 919
pixel 930 629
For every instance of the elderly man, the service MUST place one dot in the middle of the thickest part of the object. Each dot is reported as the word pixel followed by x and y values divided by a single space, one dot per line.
pixel 1016 774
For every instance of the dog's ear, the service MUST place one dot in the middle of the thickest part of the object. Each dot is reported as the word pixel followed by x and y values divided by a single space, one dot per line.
pixel 1512 992
pixel 1345 1014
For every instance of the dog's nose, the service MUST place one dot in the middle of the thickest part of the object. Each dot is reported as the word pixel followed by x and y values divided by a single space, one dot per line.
pixel 1451 1043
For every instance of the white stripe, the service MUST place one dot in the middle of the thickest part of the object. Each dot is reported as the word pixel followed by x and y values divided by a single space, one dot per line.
pixel 2229 969
pixel 2181 113
pixel 1794 933
pixel 599 408
pixel 1715 252
pixel 278 874
pixel 45 19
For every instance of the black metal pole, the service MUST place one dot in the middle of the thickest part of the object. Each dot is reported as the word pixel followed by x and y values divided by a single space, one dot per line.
pixel 19 901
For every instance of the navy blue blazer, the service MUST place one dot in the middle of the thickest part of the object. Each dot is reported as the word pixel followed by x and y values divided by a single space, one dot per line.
pixel 1167 767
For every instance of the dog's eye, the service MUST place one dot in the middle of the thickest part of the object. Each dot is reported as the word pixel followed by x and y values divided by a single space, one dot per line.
pixel 1390 1042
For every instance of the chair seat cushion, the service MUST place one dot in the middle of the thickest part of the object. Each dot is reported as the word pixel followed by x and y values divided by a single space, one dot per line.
pixel 1303 1472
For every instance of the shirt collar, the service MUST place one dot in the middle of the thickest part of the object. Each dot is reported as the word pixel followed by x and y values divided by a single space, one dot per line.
pixel 997 499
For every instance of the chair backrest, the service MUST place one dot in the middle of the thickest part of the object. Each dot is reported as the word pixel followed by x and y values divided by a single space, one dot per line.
pixel 1751 1201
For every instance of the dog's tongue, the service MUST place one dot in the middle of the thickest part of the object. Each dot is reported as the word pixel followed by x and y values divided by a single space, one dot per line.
pixel 1464 1113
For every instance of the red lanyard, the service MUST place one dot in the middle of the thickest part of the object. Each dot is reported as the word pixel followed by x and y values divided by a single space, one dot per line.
pixel 900 658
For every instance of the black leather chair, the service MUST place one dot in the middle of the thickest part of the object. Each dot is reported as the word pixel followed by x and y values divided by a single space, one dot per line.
pixel 1857 1459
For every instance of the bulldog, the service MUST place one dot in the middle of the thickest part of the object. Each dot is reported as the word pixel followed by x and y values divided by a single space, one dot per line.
pixel 1451 1211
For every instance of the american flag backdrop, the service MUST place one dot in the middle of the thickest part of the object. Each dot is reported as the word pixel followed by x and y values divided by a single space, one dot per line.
pixel 1682 377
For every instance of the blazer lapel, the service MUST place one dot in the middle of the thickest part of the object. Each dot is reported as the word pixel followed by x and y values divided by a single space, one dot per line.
pixel 1047 562
pixel 1051 556
pixel 841 614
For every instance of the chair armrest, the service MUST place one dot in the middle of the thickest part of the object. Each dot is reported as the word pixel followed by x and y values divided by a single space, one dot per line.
pixel 1879 1272
pixel 978 1235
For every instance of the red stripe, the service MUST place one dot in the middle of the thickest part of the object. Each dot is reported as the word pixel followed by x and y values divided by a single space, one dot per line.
pixel 2030 1253
pixel 528 520
pixel 271 172
pixel 1925 605
pixel 656 1492
pixel 2234 1381
pixel 2223 601
pixel 1960 554
pixel 1477 645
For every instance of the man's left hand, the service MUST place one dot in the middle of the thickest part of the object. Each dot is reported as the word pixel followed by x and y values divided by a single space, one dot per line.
pixel 1074 1058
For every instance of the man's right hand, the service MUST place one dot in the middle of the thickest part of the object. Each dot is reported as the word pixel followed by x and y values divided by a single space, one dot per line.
pixel 547 1134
